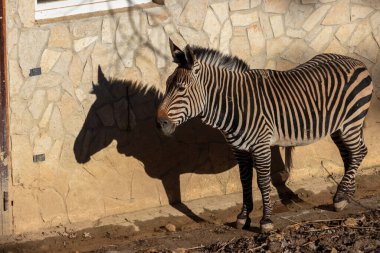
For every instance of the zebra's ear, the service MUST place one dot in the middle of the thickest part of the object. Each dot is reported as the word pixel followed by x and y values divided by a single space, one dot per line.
pixel 177 54
pixel 190 57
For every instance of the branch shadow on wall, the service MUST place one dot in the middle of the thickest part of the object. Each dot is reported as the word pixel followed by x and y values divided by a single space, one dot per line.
pixel 125 112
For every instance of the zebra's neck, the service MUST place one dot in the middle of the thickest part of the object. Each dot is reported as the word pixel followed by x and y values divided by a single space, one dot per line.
pixel 231 100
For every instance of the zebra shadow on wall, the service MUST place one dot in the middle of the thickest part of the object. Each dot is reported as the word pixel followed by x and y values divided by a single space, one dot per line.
pixel 125 112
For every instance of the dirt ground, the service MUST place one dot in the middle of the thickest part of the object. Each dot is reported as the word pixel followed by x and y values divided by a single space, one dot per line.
pixel 307 226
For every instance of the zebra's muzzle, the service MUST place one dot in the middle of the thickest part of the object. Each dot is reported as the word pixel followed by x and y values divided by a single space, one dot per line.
pixel 165 125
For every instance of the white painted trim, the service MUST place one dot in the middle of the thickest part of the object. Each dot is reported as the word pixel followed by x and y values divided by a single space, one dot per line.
pixel 73 7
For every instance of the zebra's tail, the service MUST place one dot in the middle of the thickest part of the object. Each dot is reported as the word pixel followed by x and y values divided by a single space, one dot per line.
pixel 288 158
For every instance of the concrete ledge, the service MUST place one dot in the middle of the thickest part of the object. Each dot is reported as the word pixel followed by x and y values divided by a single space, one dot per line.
pixel 314 184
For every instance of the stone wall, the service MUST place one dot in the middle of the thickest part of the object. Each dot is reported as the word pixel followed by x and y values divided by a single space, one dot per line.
pixel 103 154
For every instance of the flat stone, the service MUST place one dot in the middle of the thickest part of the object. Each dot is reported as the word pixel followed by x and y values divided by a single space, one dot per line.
pixel 71 113
pixel 37 104
pixel 87 77
pixel 76 70
pixel 297 15
pixel 283 65
pixel 193 37
pixel 26 197
pixel 63 63
pixel 277 25
pixel 53 207
pixel 359 11
pixel 316 17
pixel 326 1
pixel 236 5
pixel 295 33
pixel 158 39
pixel 313 33
pixel 175 10
pixel 108 30
pixel 338 14
pixel 178 39
pixel 22 120
pixel 344 32
pixel 102 56
pixel 322 39
pixel 256 39
pixel 81 44
pixel 212 28
pixel 42 144
pixel 225 38
pixel 157 16
pixel 49 80
pixel 265 25
pixel 53 158
pixel 12 39
pixel 56 129
pixel 46 116
pixel 276 6
pixel 146 62
pixel 54 94
pixel 371 3
pixel 194 17
pixel 221 11
pixel 309 1
pixel 271 64
pixel 30 48
pixel 49 58
pixel 25 12
pixel 336 48
pixel 60 37
pixel 255 3
pixel 16 78
pixel 296 51
pixel 68 87
pixel 368 48
pixel 82 204
pixel 244 19
pixel 28 88
pixel 80 94
pixel 90 28
pixel 276 46
pixel 375 19
pixel 239 46
pixel 362 31
pixel 126 39
pixel 85 53
pixel 376 35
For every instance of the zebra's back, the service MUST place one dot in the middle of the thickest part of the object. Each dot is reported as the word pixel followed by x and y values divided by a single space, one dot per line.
pixel 326 94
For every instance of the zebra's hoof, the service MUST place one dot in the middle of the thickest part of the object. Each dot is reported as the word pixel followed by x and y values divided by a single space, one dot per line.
pixel 266 227
pixel 243 223
pixel 339 206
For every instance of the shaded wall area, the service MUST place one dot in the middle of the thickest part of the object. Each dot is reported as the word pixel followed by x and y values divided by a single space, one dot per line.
pixel 124 111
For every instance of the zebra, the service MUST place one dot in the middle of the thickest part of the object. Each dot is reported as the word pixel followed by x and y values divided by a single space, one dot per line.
pixel 259 108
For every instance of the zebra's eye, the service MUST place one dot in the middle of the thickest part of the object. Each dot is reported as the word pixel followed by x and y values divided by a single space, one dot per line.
pixel 181 88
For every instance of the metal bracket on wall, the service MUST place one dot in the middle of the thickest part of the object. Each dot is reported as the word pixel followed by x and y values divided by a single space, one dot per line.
pixel 5 201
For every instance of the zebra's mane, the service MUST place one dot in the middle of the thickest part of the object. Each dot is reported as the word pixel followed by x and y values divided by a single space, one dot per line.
pixel 218 59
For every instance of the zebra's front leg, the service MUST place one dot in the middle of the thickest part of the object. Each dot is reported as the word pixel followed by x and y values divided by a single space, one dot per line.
pixel 262 157
pixel 245 162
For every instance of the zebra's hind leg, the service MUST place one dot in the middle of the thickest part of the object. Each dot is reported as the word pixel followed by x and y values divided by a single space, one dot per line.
pixel 353 150
pixel 262 158
pixel 245 162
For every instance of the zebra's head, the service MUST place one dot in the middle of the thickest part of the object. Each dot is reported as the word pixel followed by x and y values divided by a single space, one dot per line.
pixel 184 96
